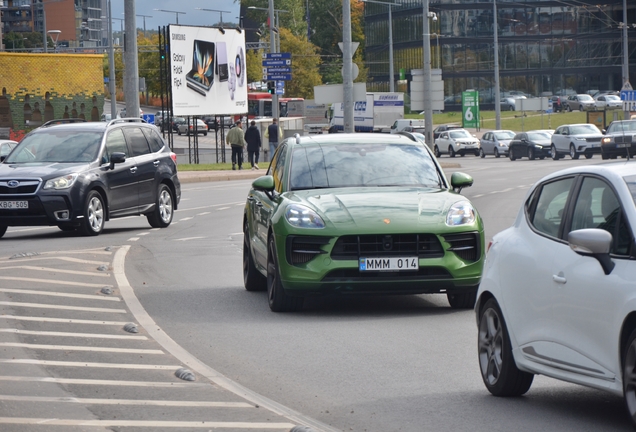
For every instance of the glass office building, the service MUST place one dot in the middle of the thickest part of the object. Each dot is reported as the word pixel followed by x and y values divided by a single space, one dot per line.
pixel 545 47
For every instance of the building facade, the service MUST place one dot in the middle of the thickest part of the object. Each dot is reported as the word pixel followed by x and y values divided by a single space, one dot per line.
pixel 545 46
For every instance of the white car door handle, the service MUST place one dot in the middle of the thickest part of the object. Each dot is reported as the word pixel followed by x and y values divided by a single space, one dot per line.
pixel 559 279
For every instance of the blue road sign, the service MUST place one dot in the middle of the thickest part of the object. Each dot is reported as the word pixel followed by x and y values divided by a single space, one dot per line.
pixel 280 84
pixel 278 77
pixel 276 70
pixel 628 95
pixel 150 118
pixel 280 91
pixel 276 63
pixel 278 55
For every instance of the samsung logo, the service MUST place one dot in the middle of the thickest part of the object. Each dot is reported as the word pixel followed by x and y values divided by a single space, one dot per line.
pixel 178 36
pixel 240 103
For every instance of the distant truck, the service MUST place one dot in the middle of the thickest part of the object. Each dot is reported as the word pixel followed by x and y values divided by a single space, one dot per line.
pixel 375 114
pixel 316 117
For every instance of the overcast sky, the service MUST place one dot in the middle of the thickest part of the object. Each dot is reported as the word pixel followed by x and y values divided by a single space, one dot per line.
pixel 191 15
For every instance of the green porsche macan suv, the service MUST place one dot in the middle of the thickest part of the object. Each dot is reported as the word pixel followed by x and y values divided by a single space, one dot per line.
pixel 360 214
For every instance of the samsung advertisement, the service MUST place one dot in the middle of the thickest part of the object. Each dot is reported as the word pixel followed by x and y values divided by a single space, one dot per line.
pixel 207 71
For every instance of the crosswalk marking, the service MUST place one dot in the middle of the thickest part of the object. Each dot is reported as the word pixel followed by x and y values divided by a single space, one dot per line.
pixel 89 365
pixel 147 423
pixel 54 270
pixel 63 320
pixel 80 348
pixel 102 382
pixel 49 306
pixel 59 294
pixel 77 335
pixel 60 258
pixel 93 401
pixel 53 282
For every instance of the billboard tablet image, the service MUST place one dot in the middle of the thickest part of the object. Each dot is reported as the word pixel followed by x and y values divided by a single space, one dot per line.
pixel 207 71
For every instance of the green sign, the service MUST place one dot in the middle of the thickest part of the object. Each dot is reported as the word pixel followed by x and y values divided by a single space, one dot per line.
pixel 470 109
pixel 402 74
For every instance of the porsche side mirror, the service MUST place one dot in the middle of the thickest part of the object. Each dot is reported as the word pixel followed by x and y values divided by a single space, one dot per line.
pixel 595 243
pixel 460 180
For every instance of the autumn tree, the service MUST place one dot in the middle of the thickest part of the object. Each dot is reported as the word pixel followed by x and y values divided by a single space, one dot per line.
pixel 305 65
pixel 254 65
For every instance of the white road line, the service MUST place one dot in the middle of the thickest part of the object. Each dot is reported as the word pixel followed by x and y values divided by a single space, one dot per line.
pixel 188 238
pixel 79 348
pixel 237 233
pixel 147 423
pixel 223 208
pixel 133 239
pixel 60 258
pixel 507 190
pixel 79 335
pixel 47 306
pixel 92 401
pixel 54 270
pixel 203 214
pixel 143 233
pixel 89 365
pixel 211 206
pixel 103 382
pixel 50 281
pixel 63 320
pixel 186 218
pixel 59 294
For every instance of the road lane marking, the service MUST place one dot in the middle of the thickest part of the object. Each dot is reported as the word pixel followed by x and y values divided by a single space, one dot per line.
pixel 79 348
pixel 60 258
pixel 63 320
pixel 89 365
pixel 212 206
pixel 53 282
pixel 147 423
pixel 103 382
pixel 94 401
pixel 190 361
pixel 59 294
pixel 49 306
pixel 186 218
pixel 66 334
pixel 188 238
pixel 223 208
pixel 203 214
pixel 143 233
pixel 133 239
pixel 54 270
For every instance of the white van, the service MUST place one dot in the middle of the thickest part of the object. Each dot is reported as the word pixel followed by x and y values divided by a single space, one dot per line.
pixel 400 124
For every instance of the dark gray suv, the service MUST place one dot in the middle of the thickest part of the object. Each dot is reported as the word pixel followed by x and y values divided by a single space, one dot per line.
pixel 77 175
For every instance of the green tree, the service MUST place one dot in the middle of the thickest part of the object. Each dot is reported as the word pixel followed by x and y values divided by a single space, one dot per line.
pixel 305 65
pixel 254 65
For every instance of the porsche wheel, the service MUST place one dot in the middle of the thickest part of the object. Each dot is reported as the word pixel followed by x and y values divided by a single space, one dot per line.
pixel 496 362
pixel 279 301
pixel 252 278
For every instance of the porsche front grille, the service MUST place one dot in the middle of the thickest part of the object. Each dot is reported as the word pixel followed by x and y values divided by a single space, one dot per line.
pixel 353 247
pixel 302 249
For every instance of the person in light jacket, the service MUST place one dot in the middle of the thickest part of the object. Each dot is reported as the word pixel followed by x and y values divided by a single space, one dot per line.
pixel 253 139
pixel 236 139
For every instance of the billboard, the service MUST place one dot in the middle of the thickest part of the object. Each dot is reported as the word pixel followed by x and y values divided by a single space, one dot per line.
pixel 207 71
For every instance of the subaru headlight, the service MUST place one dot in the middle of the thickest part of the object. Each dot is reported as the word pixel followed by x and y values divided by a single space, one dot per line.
pixel 460 213
pixel 63 182
pixel 300 216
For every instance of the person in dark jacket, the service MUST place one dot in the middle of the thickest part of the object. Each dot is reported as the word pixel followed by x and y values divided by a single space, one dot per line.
pixel 253 139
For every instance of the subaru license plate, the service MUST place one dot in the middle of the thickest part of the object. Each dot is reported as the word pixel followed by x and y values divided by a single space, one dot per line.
pixel 13 205
pixel 389 264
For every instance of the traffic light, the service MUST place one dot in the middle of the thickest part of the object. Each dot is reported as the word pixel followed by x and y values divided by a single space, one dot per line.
pixel 271 88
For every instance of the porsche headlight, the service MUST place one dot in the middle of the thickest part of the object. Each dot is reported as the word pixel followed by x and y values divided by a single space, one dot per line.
pixel 63 182
pixel 460 213
pixel 300 216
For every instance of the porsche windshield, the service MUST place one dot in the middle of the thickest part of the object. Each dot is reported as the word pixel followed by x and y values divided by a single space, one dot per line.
pixel 59 146
pixel 359 165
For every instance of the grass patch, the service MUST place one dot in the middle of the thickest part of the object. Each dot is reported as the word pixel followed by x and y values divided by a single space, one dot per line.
pixel 512 119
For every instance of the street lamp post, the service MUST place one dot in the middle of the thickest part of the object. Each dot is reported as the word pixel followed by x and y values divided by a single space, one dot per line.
pixel 276 23
pixel 496 60
pixel 171 11
pixel 428 102
pixel 391 71
pixel 215 10
pixel 144 17
pixel 111 66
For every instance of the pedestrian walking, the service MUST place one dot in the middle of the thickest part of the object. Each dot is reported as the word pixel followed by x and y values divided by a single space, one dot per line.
pixel 236 139
pixel 274 135
pixel 253 139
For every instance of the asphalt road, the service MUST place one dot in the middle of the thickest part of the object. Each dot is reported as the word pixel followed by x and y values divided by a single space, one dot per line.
pixel 360 364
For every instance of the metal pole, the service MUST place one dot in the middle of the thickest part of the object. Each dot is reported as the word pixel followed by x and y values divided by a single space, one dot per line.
pixel 391 72
pixel 626 85
pixel 131 73
pixel 347 76
pixel 272 49
pixel 428 103
pixel 44 29
pixel 111 66
pixel 496 60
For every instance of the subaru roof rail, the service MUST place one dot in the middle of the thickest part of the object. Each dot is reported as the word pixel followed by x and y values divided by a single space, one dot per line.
pixel 63 121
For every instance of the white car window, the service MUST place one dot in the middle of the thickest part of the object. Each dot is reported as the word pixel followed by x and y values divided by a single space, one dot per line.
pixel 548 212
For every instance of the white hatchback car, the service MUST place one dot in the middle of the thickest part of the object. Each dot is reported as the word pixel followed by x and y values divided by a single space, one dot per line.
pixel 558 292
pixel 456 142
pixel 576 140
